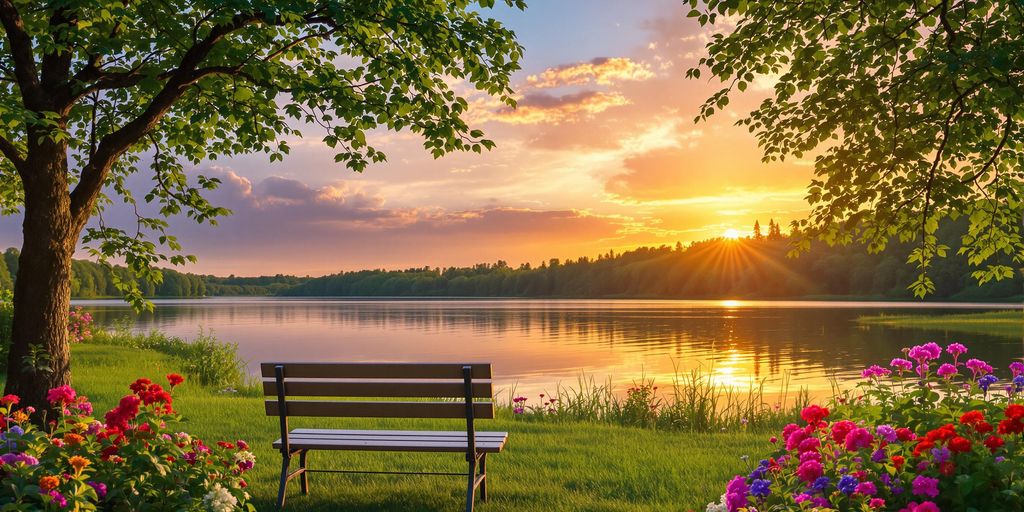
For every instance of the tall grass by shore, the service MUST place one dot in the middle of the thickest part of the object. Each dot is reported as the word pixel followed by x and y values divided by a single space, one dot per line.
pixel 205 358
pixel 692 402
pixel 993 323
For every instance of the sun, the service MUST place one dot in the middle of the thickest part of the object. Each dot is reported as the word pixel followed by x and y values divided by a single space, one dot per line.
pixel 731 234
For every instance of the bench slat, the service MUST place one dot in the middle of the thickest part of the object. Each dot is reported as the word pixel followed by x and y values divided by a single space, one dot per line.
pixel 379 389
pixel 484 410
pixel 410 446
pixel 376 370
pixel 423 433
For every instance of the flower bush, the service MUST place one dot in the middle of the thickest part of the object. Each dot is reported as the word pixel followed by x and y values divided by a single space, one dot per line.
pixel 79 325
pixel 929 433
pixel 131 460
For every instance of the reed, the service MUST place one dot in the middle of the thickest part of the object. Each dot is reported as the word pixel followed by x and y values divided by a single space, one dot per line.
pixel 692 402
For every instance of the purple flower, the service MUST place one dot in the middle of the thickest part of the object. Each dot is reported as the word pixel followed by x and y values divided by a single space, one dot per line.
pixel 887 432
pixel 925 486
pixel 821 484
pixel 761 488
pixel 940 454
pixel 987 381
pixel 1018 383
pixel 99 487
pixel 878 456
pixel 847 484
pixel 901 365
pixel 947 371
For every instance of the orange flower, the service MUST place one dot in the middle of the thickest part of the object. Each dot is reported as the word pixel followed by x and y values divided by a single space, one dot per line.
pixel 73 438
pixel 19 416
pixel 47 483
pixel 79 463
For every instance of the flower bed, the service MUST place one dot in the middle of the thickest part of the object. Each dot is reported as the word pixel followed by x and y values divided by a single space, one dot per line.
pixel 907 439
pixel 131 460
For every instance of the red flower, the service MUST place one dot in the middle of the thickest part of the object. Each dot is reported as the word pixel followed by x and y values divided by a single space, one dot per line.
pixel 814 414
pixel 140 385
pixel 972 417
pixel 174 379
pixel 1011 426
pixel 1015 411
pixel 947 468
pixel 983 427
pixel 898 461
pixel 994 443
pixel 9 400
pixel 904 434
pixel 959 445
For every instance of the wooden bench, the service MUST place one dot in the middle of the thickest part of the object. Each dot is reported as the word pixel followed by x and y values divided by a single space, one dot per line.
pixel 458 386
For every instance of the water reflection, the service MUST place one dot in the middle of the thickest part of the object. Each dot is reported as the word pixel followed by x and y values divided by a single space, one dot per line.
pixel 537 344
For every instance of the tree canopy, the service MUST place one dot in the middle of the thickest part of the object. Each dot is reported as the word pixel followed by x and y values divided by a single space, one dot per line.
pixel 911 111
pixel 178 83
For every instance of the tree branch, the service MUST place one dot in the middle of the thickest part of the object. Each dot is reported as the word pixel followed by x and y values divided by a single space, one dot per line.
pixel 21 52
pixel 11 152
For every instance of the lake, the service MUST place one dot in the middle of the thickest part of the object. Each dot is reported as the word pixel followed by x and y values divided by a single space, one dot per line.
pixel 535 345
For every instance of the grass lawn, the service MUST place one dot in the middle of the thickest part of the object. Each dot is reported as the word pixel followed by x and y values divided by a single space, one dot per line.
pixel 995 323
pixel 545 467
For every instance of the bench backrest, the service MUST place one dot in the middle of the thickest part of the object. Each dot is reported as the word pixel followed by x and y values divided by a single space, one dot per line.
pixel 465 382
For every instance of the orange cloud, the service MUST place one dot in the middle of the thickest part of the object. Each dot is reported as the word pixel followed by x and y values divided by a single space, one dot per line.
pixel 602 70
pixel 550 109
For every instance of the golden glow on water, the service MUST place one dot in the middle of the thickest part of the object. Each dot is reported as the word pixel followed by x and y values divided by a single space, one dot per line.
pixel 537 345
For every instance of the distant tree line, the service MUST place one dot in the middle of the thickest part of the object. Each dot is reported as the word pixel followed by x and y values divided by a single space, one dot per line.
pixel 753 267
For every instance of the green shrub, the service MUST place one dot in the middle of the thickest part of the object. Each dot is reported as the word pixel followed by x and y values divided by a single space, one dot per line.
pixel 206 359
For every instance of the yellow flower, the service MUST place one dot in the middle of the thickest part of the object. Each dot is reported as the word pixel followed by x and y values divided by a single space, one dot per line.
pixel 79 463
pixel 19 416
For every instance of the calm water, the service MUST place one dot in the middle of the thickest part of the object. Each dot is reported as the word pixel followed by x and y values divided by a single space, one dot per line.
pixel 537 344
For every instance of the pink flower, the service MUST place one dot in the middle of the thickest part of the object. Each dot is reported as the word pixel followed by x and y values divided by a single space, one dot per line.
pixel 809 471
pixel 876 503
pixel 866 488
pixel 947 371
pixel 859 438
pixel 924 353
pixel 956 350
pixel 61 395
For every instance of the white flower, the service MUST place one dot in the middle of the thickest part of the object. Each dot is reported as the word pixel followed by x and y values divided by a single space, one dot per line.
pixel 718 507
pixel 219 499
pixel 244 456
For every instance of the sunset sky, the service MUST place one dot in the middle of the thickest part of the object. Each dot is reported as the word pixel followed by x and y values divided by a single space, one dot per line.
pixel 601 154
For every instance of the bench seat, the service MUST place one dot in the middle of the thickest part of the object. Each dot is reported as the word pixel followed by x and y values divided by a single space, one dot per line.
pixel 392 440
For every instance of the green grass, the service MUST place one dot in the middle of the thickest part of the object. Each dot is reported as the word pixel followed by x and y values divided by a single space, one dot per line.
pixel 545 467
pixel 994 323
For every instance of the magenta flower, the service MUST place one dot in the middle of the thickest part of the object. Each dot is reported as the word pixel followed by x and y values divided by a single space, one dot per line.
pixel 1017 368
pixel 979 367
pixel 736 493
pixel 61 395
pixel 925 486
pixel 956 350
pixel 809 470
pixel 859 438
pixel 947 371
pixel 925 353
pixel 875 371
pixel 866 488
pixel 901 365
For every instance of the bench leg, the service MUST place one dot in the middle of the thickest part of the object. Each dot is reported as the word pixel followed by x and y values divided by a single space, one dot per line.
pixel 483 472
pixel 303 477
pixel 471 491
pixel 284 482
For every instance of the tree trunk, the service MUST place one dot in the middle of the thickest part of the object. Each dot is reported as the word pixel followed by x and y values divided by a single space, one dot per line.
pixel 42 293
